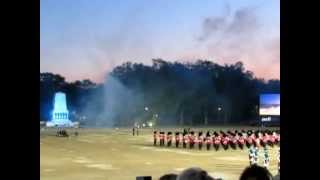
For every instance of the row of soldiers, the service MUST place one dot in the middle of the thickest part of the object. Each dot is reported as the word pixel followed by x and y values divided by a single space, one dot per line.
pixel 254 155
pixel 231 139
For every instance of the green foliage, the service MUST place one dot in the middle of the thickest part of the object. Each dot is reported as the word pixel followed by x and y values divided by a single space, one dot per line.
pixel 188 93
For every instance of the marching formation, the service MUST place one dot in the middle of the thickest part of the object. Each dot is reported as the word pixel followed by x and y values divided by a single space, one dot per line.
pixel 253 140
pixel 231 139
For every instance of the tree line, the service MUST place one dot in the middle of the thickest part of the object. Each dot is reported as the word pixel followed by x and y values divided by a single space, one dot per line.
pixel 198 93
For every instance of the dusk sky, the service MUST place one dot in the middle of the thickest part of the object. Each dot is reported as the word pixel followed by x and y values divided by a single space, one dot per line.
pixel 85 39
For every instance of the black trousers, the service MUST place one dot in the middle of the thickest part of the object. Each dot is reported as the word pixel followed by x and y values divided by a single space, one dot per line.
pixel 200 145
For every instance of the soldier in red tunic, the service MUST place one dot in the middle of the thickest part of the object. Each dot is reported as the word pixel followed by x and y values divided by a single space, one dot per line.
pixel 184 139
pixel 241 141
pixel 200 140
pixel 169 139
pixel 225 142
pixel 161 138
pixel 177 138
pixel 208 140
pixel 216 140
pixel 191 140
pixel 234 141
pixel 264 138
pixel 249 140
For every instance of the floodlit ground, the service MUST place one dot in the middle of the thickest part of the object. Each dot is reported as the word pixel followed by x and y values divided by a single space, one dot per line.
pixel 105 154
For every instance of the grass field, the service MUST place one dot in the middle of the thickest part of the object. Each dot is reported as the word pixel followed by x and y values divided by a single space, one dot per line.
pixel 105 154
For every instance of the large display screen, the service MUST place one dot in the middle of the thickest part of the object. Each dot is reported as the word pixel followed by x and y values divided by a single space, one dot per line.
pixel 270 104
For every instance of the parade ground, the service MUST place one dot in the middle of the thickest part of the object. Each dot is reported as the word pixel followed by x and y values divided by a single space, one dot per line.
pixel 110 153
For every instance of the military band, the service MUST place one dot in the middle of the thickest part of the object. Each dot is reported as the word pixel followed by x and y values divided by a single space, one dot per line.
pixel 231 139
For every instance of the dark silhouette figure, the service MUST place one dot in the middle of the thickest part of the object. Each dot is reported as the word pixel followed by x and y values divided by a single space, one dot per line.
pixel 168 177
pixel 255 172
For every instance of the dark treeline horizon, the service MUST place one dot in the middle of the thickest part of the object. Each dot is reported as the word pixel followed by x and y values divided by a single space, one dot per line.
pixel 198 93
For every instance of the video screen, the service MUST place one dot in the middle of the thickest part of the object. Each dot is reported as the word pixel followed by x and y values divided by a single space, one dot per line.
pixel 270 104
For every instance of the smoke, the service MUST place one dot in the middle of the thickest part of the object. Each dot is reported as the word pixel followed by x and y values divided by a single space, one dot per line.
pixel 242 23
pixel 241 36
pixel 119 104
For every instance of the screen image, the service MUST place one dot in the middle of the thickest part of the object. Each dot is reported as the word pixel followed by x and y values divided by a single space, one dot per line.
pixel 270 104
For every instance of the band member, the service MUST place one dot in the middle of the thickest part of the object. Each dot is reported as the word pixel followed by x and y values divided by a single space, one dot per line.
pixel 161 136
pixel 216 141
pixel 191 140
pixel 200 140
pixel 256 140
pixel 177 137
pixel 234 141
pixel 208 140
pixel 256 155
pixel 272 140
pixel 241 141
pixel 249 140
pixel 225 142
pixel 155 136
pixel 184 139
pixel 264 138
pixel 251 155
pixel 169 139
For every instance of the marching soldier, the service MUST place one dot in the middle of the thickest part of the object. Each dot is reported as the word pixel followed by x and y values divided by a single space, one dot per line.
pixel 272 140
pixel 225 142
pixel 161 138
pixel 256 155
pixel 216 140
pixel 266 158
pixel 249 140
pixel 208 140
pixel 155 138
pixel 191 140
pixel 241 141
pixel 177 137
pixel 264 138
pixel 200 140
pixel 251 155
pixel 256 139
pixel 169 139
pixel 184 139
pixel 234 141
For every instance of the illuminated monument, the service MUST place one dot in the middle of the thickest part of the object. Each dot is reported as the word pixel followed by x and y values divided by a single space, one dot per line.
pixel 60 113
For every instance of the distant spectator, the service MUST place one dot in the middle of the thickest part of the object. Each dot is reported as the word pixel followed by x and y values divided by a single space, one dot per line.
pixel 256 172
pixel 169 177
pixel 194 174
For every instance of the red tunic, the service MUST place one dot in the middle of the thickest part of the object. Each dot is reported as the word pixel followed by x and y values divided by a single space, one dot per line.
pixel 208 140
pixel 161 136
